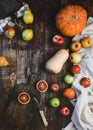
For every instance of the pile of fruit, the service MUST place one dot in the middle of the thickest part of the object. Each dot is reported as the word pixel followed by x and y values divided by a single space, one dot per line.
pixel 69 25
pixel 27 34
pixel 42 86
pixel 76 58
pixel 55 64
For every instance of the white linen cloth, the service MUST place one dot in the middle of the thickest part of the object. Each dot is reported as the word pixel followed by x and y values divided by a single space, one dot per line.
pixel 82 116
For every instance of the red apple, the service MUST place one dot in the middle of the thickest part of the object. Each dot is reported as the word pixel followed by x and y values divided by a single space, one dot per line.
pixel 58 40
pixel 75 46
pixel 86 42
pixel 75 69
pixel 85 82
pixel 55 87
pixel 64 111
pixel 9 32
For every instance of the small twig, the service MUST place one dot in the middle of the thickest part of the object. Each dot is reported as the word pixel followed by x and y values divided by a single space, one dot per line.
pixel 29 74
pixel 19 25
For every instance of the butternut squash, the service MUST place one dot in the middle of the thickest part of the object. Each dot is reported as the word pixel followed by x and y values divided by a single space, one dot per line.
pixel 55 63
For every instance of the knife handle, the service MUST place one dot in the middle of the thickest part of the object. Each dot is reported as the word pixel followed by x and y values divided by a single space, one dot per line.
pixel 43 118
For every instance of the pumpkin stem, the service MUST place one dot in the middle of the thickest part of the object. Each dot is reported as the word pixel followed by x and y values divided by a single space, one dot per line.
pixel 75 17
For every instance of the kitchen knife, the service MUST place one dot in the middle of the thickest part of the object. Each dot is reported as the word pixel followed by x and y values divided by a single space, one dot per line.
pixel 41 111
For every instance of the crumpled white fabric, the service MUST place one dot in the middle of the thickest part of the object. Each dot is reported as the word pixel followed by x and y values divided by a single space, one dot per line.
pixel 82 116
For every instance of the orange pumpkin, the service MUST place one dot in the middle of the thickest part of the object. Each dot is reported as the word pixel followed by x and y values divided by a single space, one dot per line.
pixel 71 20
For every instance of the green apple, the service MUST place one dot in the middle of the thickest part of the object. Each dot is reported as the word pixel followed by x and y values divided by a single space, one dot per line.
pixel 28 17
pixel 54 102
pixel 75 58
pixel 27 34
pixel 86 42
pixel 68 79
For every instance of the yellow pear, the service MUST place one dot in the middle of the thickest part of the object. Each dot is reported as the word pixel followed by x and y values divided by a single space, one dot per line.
pixel 28 17
pixel 27 34
pixel 3 61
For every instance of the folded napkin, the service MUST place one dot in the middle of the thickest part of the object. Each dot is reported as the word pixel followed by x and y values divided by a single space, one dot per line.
pixel 82 116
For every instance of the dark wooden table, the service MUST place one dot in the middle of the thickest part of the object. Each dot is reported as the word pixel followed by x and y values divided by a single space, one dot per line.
pixel 34 54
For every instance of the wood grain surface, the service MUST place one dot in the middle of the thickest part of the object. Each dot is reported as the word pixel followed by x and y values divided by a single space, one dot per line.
pixel 34 54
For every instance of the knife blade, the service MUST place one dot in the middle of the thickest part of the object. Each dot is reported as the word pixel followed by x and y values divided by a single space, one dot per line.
pixel 41 111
